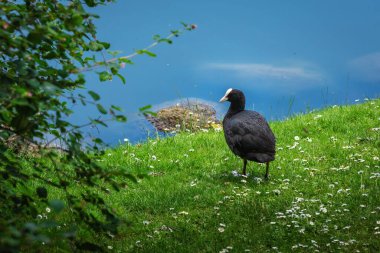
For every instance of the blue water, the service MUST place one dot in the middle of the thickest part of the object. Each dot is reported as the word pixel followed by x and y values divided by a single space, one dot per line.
pixel 287 58
pixel 277 106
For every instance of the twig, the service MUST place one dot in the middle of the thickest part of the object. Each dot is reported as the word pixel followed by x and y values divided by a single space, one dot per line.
pixel 171 35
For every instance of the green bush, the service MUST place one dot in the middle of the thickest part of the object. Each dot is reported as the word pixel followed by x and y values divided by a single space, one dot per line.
pixel 45 46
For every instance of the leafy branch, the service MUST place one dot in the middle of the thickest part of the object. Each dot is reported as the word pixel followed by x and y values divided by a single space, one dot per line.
pixel 42 45
pixel 126 59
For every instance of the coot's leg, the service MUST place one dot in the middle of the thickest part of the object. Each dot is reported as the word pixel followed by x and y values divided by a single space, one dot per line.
pixel 244 167
pixel 267 171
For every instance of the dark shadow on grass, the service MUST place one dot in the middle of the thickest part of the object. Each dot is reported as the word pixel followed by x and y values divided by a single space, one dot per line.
pixel 255 177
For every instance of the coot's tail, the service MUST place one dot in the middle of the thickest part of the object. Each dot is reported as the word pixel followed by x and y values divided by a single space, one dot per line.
pixel 260 157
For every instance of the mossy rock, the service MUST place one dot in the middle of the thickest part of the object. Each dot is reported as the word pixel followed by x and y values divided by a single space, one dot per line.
pixel 191 116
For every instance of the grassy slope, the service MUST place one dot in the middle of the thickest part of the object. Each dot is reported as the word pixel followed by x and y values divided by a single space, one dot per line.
pixel 323 194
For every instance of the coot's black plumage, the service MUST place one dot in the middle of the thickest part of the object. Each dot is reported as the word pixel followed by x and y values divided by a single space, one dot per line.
pixel 247 133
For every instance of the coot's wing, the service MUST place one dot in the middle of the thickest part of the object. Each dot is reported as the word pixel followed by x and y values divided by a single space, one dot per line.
pixel 249 132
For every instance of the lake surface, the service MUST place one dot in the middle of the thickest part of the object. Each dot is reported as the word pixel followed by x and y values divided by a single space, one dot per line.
pixel 287 58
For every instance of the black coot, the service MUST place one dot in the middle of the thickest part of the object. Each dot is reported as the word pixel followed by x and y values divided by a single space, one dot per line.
pixel 247 133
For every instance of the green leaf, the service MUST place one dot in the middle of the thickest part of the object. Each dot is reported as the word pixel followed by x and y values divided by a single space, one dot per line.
pixel 98 122
pixel 101 109
pixel 94 95
pixel 55 133
pixel 90 3
pixel 105 76
pixel 114 70
pixel 186 26
pixel 95 46
pixel 144 51
pixel 150 53
pixel 114 53
pixel 144 108
pixel 87 59
pixel 20 101
pixel 36 36
pixel 175 33
pixel 121 118
pixel 98 141
pixel 125 60
pixel 122 78
pixel 106 45
pixel 166 40
pixel 34 83
pixel 83 102
pixel 76 19
pixel 49 88
pixel 150 112
pixel 117 108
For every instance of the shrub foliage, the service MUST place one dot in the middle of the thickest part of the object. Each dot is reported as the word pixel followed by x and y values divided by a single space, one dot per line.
pixel 45 48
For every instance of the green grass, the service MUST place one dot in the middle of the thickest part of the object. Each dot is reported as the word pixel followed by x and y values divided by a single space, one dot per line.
pixel 323 194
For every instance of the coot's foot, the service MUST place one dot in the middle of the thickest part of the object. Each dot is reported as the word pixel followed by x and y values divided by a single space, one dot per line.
pixel 267 172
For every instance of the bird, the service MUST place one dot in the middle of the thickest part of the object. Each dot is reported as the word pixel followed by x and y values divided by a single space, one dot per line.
pixel 247 133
